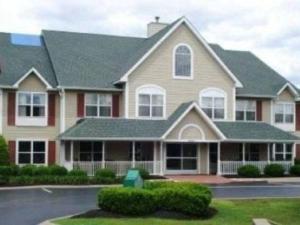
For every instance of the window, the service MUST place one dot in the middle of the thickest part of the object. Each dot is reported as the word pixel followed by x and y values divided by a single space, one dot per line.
pixel 245 110
pixel 212 101
pixel 284 113
pixel 150 102
pixel 31 104
pixel 32 152
pixel 98 105
pixel 183 62
pixel 90 151
pixel 283 152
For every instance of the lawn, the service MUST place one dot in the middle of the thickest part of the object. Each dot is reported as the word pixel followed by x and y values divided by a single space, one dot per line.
pixel 230 212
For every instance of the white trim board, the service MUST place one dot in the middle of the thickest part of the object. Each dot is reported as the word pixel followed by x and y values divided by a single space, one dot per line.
pixel 292 89
pixel 124 78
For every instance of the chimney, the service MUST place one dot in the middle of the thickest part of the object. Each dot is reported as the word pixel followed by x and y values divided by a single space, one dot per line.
pixel 154 27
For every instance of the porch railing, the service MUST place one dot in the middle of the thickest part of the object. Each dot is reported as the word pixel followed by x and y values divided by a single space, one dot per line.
pixel 231 167
pixel 119 167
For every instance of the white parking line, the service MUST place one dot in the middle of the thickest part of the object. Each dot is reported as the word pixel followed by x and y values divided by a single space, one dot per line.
pixel 46 190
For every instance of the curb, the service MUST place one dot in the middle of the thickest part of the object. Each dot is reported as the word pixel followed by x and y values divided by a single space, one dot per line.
pixel 58 187
pixel 49 222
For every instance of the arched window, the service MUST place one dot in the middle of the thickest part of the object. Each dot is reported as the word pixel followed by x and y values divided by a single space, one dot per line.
pixel 183 60
pixel 213 102
pixel 150 101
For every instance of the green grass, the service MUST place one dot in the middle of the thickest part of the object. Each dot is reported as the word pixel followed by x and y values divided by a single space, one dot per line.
pixel 230 212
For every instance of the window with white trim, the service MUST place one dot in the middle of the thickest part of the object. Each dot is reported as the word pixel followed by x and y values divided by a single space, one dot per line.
pixel 98 105
pixel 31 104
pixel 245 110
pixel 283 152
pixel 284 112
pixel 183 62
pixel 212 102
pixel 150 102
pixel 90 151
pixel 32 152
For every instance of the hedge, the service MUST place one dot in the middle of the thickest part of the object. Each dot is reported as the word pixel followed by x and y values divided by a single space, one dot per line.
pixel 4 155
pixel 144 173
pixel 105 173
pixel 274 170
pixel 295 170
pixel 248 171
pixel 187 198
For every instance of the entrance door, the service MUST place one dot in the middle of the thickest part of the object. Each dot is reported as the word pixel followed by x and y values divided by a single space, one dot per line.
pixel 181 158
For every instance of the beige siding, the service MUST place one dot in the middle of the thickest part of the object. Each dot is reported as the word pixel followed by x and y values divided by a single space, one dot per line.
pixel 266 111
pixel 32 83
pixel 193 117
pixel 286 95
pixel 157 69
pixel 71 108
pixel 203 159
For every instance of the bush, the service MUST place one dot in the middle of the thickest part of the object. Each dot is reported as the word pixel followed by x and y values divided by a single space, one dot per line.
pixel 105 173
pixel 77 173
pixel 3 180
pixel 248 171
pixel 27 170
pixel 127 201
pixel 21 180
pixel 297 161
pixel 188 198
pixel 5 171
pixel 4 156
pixel 295 170
pixel 56 170
pixel 274 170
pixel 41 171
pixel 144 173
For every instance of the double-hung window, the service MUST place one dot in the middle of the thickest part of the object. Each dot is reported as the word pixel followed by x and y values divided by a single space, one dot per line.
pixel 98 105
pixel 283 152
pixel 245 110
pixel 284 113
pixel 31 152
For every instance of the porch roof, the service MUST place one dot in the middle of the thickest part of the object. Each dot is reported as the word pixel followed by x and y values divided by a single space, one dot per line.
pixel 254 131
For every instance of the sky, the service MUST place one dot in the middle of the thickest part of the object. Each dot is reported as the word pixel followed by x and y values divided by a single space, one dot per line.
pixel 268 28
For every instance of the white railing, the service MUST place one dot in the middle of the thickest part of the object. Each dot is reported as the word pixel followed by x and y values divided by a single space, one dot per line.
pixel 119 167
pixel 231 167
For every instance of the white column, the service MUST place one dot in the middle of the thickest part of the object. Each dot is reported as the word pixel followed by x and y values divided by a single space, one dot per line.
pixel 208 159
pixel 268 154
pixel 1 111
pixel 244 152
pixel 219 172
pixel 273 151
pixel 62 110
pixel 62 153
pixel 154 157
pixel 133 154
pixel 294 153
pixel 161 159
pixel 72 154
pixel 103 155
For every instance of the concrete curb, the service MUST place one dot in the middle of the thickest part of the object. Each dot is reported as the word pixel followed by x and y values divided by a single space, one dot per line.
pixel 49 222
pixel 58 187
pixel 269 180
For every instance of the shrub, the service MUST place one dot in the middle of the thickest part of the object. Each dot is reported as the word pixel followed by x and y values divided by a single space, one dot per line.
pixel 27 170
pixel 21 180
pixel 41 171
pixel 297 161
pixel 248 171
pixel 77 173
pixel 105 173
pixel 56 170
pixel 4 156
pixel 127 201
pixel 274 170
pixel 3 180
pixel 5 171
pixel 144 173
pixel 295 170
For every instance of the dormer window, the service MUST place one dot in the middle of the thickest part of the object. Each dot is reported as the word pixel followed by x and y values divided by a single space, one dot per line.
pixel 183 62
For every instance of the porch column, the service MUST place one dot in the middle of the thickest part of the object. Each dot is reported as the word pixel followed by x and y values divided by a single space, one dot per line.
pixel 133 155
pixel 154 157
pixel 72 154
pixel 273 151
pixel 244 152
pixel 103 155
pixel 161 159
pixel 62 155
pixel 294 153
pixel 268 154
pixel 219 172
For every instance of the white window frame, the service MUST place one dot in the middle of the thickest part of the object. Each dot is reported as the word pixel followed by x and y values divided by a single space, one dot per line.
pixel 31 151
pixel 182 77
pixel 98 105
pixel 283 125
pixel 284 152
pixel 245 109
pixel 214 93
pixel 31 120
pixel 150 89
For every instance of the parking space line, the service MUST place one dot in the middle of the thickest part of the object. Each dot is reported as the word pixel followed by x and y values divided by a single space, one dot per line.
pixel 47 190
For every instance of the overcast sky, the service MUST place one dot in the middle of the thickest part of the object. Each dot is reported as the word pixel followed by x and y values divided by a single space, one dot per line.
pixel 270 29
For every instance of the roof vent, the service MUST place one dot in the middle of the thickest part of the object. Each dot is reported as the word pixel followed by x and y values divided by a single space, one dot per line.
pixel 154 27
pixel 25 39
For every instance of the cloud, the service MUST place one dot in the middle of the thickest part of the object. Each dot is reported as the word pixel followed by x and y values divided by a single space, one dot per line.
pixel 270 29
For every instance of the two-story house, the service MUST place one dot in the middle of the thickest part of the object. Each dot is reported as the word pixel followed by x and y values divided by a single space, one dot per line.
pixel 170 103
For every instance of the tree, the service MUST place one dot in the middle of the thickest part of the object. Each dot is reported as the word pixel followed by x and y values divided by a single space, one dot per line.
pixel 4 156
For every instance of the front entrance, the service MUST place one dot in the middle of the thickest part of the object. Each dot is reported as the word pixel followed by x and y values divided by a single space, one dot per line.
pixel 181 158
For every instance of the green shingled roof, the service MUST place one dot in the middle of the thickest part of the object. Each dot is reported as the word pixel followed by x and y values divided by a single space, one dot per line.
pixel 253 131
pixel 17 60
pixel 123 128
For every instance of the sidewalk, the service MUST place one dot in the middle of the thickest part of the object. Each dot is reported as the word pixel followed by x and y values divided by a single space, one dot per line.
pixel 273 180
